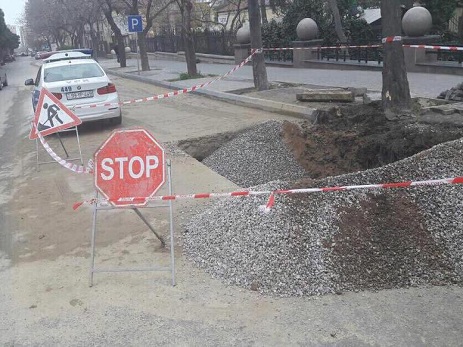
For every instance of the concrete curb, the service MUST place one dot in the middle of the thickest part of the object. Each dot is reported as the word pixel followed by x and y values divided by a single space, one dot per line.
pixel 261 104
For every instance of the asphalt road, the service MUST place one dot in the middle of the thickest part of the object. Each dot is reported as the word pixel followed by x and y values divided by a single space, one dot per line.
pixel 45 299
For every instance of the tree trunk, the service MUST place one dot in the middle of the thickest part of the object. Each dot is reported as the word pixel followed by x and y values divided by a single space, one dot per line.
pixel 145 65
pixel 263 12
pixel 396 92
pixel 258 64
pixel 119 37
pixel 190 54
pixel 337 21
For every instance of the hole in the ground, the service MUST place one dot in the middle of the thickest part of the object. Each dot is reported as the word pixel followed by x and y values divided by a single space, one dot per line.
pixel 342 140
pixel 201 147
pixel 356 138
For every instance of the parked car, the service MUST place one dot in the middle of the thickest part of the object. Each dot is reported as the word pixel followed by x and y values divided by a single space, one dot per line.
pixel 45 55
pixel 38 54
pixel 78 80
pixel 3 79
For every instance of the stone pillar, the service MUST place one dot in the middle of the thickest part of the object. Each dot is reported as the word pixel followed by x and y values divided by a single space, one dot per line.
pixel 416 23
pixel 415 56
pixel 301 55
pixel 242 51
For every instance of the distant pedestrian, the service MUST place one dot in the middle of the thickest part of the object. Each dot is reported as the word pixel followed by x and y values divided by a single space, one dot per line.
pixel 116 50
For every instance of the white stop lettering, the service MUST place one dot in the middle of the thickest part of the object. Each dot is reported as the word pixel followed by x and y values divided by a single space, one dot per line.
pixel 126 166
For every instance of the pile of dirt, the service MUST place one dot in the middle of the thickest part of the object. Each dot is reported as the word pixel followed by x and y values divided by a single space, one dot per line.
pixel 353 138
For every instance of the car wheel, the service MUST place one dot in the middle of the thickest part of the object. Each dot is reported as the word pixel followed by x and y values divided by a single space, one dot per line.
pixel 117 120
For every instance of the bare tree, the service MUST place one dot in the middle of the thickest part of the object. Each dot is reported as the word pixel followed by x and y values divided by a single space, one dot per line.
pixel 333 5
pixel 109 7
pixel 396 91
pixel 258 64
pixel 263 12
pixel 43 20
pixel 150 10
pixel 186 9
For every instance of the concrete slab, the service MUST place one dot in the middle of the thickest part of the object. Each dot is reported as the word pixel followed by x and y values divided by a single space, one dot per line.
pixel 326 95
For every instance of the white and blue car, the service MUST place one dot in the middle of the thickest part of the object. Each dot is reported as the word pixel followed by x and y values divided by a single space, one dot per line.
pixel 78 81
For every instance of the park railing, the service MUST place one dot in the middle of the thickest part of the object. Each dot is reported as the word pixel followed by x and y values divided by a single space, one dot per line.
pixel 360 53
pixel 207 41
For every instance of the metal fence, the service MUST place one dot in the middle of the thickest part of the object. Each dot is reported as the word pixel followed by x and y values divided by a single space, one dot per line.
pixel 357 54
pixel 208 42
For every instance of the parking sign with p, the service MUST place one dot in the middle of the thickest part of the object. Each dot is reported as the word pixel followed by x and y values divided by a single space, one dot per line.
pixel 135 24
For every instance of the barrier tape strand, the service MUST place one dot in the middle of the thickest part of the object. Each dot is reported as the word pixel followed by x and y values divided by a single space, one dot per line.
pixel 271 200
pixel 433 47
pixel 176 92
pixel 66 164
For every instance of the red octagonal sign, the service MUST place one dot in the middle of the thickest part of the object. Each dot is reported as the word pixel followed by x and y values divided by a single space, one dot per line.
pixel 129 164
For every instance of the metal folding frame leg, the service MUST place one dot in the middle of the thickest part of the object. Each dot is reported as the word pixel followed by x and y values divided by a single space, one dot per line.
pixel 64 149
pixel 137 211
pixel 97 207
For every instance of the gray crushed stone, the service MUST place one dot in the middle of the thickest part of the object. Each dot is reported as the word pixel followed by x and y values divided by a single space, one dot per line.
pixel 319 243
pixel 256 156
pixel 454 94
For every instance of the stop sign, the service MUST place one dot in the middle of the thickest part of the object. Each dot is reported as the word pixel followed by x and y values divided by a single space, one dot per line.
pixel 130 163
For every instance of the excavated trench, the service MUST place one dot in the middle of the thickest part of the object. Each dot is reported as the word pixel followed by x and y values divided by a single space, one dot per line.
pixel 350 240
pixel 343 139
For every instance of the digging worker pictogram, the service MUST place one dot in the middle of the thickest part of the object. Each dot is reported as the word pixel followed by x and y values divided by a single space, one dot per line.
pixel 52 112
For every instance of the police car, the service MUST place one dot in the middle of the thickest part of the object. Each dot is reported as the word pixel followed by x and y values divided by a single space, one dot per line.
pixel 81 84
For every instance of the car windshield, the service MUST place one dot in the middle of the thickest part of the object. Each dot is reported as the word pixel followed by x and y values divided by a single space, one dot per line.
pixel 72 72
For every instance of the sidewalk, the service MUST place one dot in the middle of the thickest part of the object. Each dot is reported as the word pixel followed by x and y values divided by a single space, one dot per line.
pixel 164 71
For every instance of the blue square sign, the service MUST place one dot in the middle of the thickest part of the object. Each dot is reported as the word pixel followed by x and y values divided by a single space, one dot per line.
pixel 135 24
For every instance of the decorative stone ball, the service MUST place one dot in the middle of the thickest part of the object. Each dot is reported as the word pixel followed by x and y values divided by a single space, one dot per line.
pixel 417 21
pixel 127 49
pixel 243 35
pixel 307 29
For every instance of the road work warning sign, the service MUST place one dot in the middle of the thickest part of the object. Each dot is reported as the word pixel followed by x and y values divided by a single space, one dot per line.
pixel 51 116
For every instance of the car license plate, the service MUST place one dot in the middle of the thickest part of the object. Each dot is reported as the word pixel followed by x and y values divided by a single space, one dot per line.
pixel 80 95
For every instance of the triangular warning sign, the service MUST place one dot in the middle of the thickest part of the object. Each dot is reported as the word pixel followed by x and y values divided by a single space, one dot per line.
pixel 51 116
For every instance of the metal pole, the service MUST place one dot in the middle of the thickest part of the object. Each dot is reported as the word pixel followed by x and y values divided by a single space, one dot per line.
pixel 136 44
pixel 62 145
pixel 171 221
pixel 149 226
pixel 78 144
pixel 37 152
pixel 92 256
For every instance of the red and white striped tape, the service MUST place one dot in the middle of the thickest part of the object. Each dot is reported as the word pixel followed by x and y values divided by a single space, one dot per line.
pixel 68 165
pixel 433 47
pixel 318 48
pixel 441 48
pixel 391 39
pixel 271 200
pixel 176 92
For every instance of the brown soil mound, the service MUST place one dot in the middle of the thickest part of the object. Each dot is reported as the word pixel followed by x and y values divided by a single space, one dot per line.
pixel 358 137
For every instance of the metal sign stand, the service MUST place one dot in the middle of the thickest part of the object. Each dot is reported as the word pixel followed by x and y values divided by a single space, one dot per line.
pixel 138 53
pixel 97 207
pixel 64 148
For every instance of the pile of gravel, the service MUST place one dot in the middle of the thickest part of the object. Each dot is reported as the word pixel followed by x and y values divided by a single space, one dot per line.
pixel 454 94
pixel 313 244
pixel 256 156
